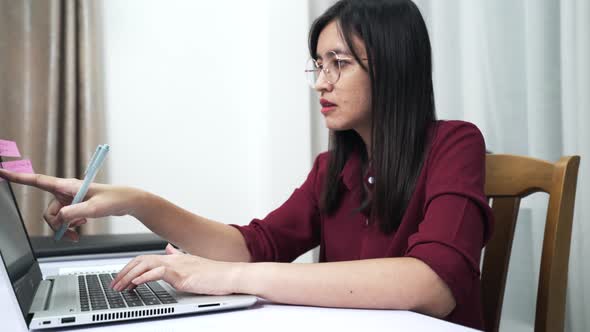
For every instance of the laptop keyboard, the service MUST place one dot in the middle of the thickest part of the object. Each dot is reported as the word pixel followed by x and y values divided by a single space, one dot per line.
pixel 95 293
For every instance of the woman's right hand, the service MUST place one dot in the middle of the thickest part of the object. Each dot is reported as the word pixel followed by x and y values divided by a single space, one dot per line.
pixel 100 201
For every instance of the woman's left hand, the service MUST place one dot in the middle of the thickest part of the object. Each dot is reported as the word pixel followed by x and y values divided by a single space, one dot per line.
pixel 184 272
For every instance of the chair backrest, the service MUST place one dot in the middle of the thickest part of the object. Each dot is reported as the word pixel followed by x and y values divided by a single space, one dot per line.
pixel 508 179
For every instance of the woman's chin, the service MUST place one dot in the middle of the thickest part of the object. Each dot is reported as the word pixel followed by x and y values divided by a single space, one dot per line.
pixel 336 127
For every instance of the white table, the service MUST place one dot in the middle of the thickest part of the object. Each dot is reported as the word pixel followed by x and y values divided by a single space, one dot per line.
pixel 264 316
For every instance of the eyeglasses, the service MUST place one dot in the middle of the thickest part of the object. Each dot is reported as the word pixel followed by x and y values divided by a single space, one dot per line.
pixel 331 66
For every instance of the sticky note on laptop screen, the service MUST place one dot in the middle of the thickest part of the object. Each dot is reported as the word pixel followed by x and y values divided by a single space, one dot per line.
pixel 9 149
pixel 19 166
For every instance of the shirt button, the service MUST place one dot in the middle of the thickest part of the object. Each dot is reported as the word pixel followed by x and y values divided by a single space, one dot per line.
pixel 371 180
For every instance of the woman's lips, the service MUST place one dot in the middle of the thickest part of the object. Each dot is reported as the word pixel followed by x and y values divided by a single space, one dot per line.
pixel 327 106
pixel 327 109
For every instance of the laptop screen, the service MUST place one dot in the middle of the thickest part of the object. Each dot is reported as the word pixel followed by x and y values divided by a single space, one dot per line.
pixel 14 243
pixel 17 254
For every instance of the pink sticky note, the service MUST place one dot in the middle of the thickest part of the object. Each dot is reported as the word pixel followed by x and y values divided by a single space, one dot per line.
pixel 19 166
pixel 8 149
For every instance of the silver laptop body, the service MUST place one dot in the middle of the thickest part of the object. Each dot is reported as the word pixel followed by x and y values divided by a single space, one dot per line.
pixel 57 303
pixel 75 299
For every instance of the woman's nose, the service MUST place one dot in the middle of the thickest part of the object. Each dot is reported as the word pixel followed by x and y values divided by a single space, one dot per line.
pixel 322 83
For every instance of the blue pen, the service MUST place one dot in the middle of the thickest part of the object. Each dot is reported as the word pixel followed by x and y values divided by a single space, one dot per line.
pixel 95 164
pixel 93 159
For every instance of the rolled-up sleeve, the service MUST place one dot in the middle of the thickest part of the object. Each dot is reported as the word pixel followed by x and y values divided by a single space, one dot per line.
pixel 290 230
pixel 457 218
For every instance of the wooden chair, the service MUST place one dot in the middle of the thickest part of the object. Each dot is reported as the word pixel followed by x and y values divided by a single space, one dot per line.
pixel 509 179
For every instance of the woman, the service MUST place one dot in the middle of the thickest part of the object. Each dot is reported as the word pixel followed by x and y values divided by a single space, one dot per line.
pixel 397 204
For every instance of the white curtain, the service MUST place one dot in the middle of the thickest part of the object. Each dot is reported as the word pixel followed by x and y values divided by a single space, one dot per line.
pixel 520 70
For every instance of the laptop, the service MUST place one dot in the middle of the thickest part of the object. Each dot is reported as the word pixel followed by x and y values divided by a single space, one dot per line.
pixel 85 298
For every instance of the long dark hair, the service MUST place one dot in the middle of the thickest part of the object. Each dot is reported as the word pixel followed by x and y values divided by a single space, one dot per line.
pixel 400 70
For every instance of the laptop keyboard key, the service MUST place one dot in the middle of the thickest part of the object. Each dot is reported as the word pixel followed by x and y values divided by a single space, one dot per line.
pixel 168 301
pixel 134 304
pixel 161 293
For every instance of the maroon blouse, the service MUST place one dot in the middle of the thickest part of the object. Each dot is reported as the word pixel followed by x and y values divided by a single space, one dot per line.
pixel 446 224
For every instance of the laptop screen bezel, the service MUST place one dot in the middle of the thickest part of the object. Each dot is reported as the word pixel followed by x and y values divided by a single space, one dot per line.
pixel 25 285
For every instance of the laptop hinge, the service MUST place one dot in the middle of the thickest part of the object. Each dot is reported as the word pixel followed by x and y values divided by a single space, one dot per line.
pixel 41 299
